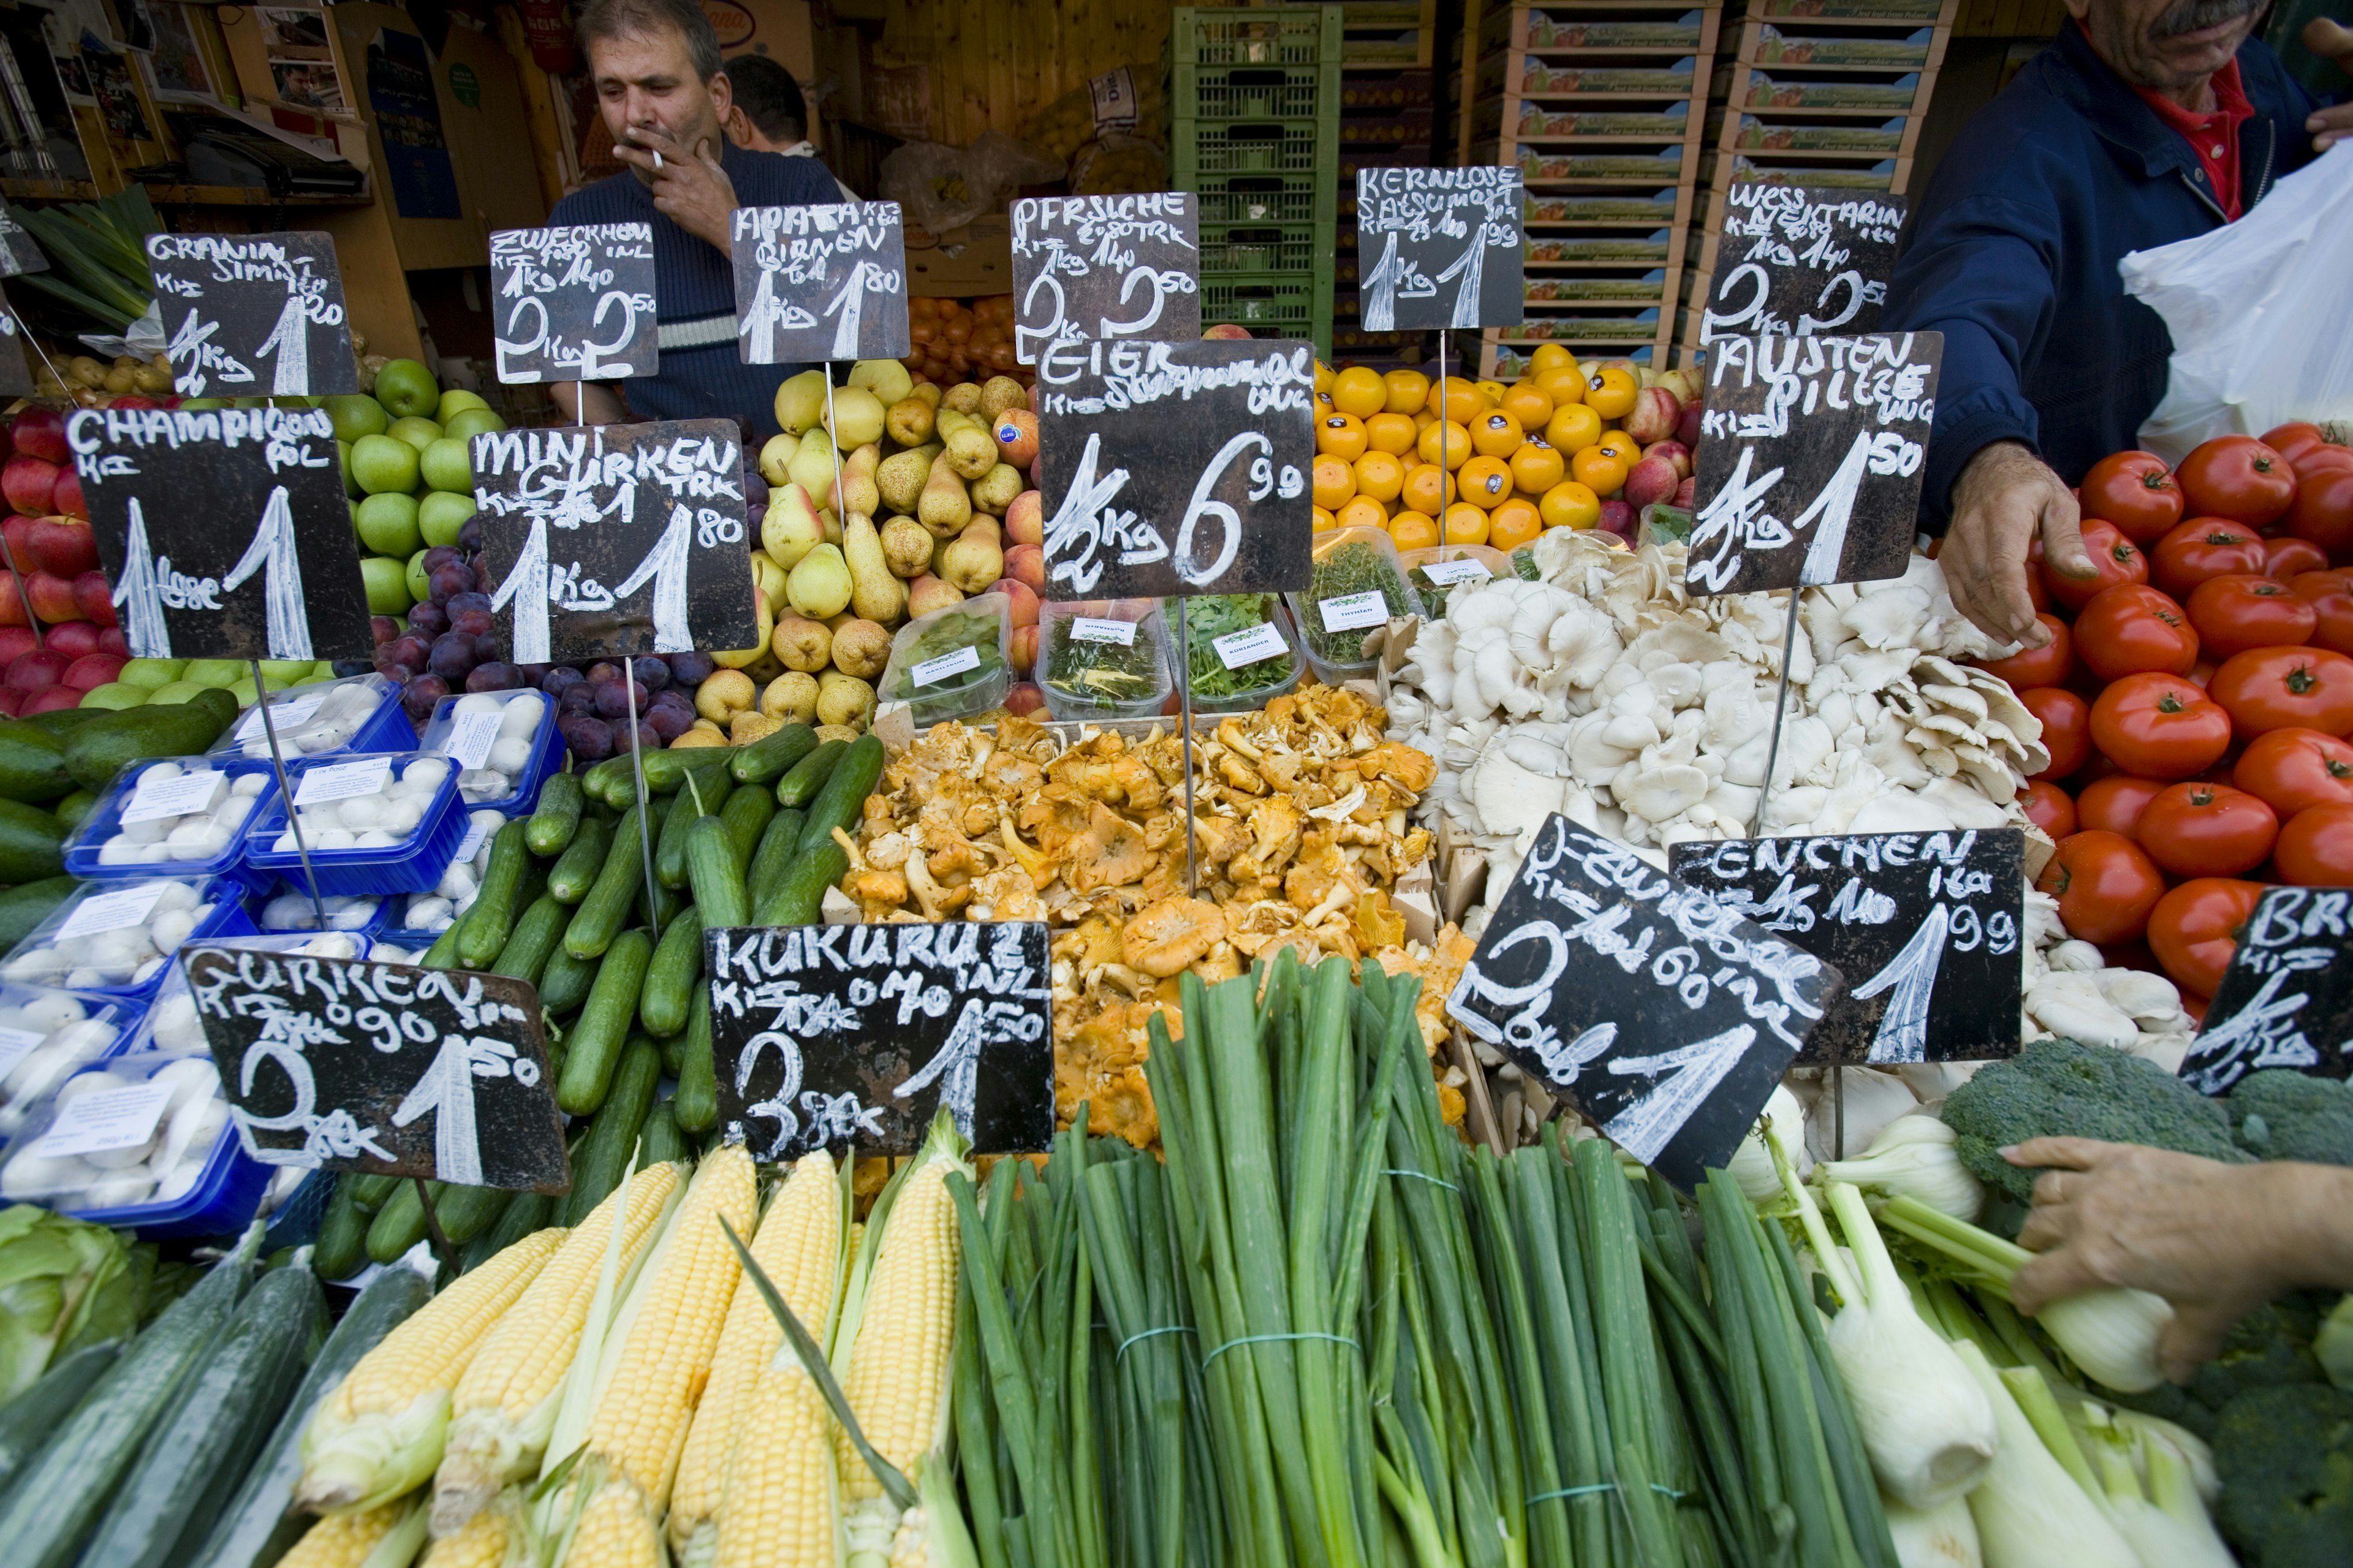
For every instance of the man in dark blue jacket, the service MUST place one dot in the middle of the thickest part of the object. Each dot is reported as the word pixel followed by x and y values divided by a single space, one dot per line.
pixel 663 95
pixel 2147 122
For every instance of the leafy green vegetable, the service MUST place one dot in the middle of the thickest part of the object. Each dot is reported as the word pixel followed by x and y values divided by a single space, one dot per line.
pixel 1433 594
pixel 1524 564
pixel 1222 615
pixel 953 630
pixel 1103 673
pixel 1355 567
pixel 62 1281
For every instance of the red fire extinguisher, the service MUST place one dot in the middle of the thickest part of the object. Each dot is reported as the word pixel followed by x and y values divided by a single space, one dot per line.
pixel 549 35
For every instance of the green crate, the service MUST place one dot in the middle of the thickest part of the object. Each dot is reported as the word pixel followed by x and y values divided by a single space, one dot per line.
pixel 1255 35
pixel 1256 147
pixel 1260 199
pixel 1266 248
pixel 1253 92
pixel 1284 304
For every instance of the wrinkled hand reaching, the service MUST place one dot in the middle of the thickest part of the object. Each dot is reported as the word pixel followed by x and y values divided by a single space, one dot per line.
pixel 2004 498
pixel 2331 41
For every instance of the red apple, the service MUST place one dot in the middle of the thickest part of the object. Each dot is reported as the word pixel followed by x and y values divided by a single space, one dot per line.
pixel 41 431
pixel 1650 481
pixel 11 701
pixel 1025 648
pixel 1654 415
pixel 1688 492
pixel 1027 563
pixel 50 699
pixel 52 596
pixel 1687 424
pixel 93 670
pixel 75 639
pixel 12 611
pixel 1618 517
pixel 18 531
pixel 67 496
pixel 15 642
pixel 1025 698
pixel 135 400
pixel 1225 330
pixel 38 670
pixel 112 641
pixel 96 596
pixel 1025 519
pixel 1025 599
pixel 64 545
pixel 1674 452
pixel 29 483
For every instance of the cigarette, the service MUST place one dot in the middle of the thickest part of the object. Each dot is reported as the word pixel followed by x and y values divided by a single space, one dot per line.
pixel 657 161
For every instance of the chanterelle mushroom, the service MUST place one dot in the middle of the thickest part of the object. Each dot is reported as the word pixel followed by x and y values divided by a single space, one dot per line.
pixel 1165 937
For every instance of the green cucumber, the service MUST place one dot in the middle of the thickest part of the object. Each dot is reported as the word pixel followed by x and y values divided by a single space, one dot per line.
pixel 61 1495
pixel 671 978
pixel 666 771
pixel 574 871
pixel 747 814
pixel 660 1139
pixel 696 1102
pixel 564 982
pixel 76 807
pixel 558 817
pixel 593 1049
pixel 715 873
pixel 27 1421
pixel 769 758
pixel 800 892
pixel 776 853
pixel 400 1223
pixel 167 1506
pixel 371 1193
pixel 443 954
pixel 804 778
pixel 598 781
pixel 657 916
pixel 260 1521
pixel 670 855
pixel 534 940
pixel 465 1212
pixel 340 1250
pixel 598 919
pixel 490 916
pixel 842 803
pixel 524 1212
pixel 604 1154
pixel 673 1050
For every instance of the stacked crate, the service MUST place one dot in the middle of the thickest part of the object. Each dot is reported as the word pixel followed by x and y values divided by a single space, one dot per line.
pixel 1386 122
pixel 1817 92
pixel 1601 104
pixel 1255 109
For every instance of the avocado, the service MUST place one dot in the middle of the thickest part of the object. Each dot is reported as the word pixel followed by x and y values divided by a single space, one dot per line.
pixel 62 721
pixel 30 842
pixel 27 904
pixel 76 807
pixel 32 764
pixel 96 752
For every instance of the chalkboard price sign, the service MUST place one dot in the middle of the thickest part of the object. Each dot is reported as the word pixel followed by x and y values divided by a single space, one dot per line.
pixel 19 252
pixel 1667 1015
pixel 384 1068
pixel 1801 262
pixel 820 283
pixel 253 315
pixel 1809 460
pixel 16 373
pixel 1439 248
pixel 616 539
pixel 1105 266
pixel 1175 468
pixel 2286 1000
pixel 1925 924
pixel 574 302
pixel 826 1036
pixel 225 531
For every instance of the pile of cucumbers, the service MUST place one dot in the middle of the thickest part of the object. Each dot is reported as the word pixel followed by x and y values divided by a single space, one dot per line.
pixel 737 837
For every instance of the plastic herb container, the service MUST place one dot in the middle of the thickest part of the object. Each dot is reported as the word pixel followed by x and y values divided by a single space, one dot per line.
pixel 1435 572
pixel 44 1035
pixel 504 743
pixel 380 824
pixel 1101 660
pixel 1243 650
pixel 172 1028
pixel 116 939
pixel 141 1142
pixel 952 663
pixel 358 713
pixel 1358 585
pixel 173 814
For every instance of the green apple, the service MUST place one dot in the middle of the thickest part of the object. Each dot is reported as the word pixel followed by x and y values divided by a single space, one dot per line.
pixel 455 400
pixel 343 459
pixel 324 670
pixel 417 581
pixel 173 691
pixel 441 514
pixel 150 673
pixel 387 524
pixel 114 694
pixel 243 692
pixel 387 585
pixel 285 669
pixel 213 671
pixel 445 466
pixel 469 422
pixel 355 414
pixel 317 679
pixel 204 403
pixel 418 433
pixel 383 464
pixel 406 387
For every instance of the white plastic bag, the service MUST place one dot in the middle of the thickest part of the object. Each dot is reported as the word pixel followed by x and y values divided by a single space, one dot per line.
pixel 2257 310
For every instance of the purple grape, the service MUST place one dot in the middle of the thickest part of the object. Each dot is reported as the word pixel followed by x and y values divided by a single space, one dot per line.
pixel 590 739
pixel 383 629
pixel 442 555
pixel 472 622
pixel 453 656
pixel 469 536
pixel 469 600
pixel 673 698
pixel 648 739
pixel 343 667
pixel 396 673
pixel 603 672
pixel 557 679
pixel 424 694
pixel 449 582
pixel 613 699
pixel 692 668
pixel 577 699
pixel 429 618
pixel 651 672
pixel 491 675
pixel 533 675
pixel 489 646
pixel 412 652
pixel 668 723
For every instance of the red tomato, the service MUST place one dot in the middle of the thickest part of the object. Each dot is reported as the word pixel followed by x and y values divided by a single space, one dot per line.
pixel 2030 667
pixel 2066 728
pixel 2284 558
pixel 2133 490
pixel 2330 594
pixel 2208 830
pixel 2270 688
pixel 2159 726
pixel 2292 441
pixel 2105 884
pixel 2047 806
pixel 2238 612
pixel 2114 560
pixel 2323 511
pixel 2236 477
pixel 2204 547
pixel 2133 628
pixel 2293 769
pixel 2201 674
pixel 2316 848
pixel 2036 593
pixel 2113 804
pixel 2194 929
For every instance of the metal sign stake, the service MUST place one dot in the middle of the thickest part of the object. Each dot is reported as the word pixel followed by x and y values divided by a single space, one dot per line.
pixel 40 639
pixel 434 1237
pixel 1780 706
pixel 645 802
pixel 1185 711
pixel 286 792
pixel 833 446
pixel 1445 474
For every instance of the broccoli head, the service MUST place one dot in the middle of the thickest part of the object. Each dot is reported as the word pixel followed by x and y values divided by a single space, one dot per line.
pixel 2286 1458
pixel 2057 1089
pixel 2282 1114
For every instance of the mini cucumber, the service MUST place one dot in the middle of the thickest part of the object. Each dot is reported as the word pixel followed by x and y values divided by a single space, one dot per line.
pixel 747 814
pixel 673 1050
pixel 524 1212
pixel 800 786
pixel 443 954
pixel 558 817
pixel 400 1223
pixel 597 782
pixel 667 769
pixel 769 758
pixel 800 892
pixel 706 797
pixel 465 1212
pixel 340 1250
pixel 671 977
pixel 604 1154
pixel 659 1137
pixel 775 852
pixel 696 1103
pixel 491 915
pixel 564 982
pixel 714 872
pixel 598 919
pixel 534 940
pixel 594 1048
pixel 842 802
pixel 574 871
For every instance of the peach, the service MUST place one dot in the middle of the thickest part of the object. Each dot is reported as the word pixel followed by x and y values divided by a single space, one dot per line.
pixel 1025 698
pixel 1025 519
pixel 1023 596
pixel 1650 481
pixel 1025 648
pixel 1654 415
pixel 1027 563
pixel 1016 437
pixel 1674 452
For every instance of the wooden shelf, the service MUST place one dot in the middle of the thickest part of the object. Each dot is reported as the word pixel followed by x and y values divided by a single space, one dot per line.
pixel 48 190
pixel 246 196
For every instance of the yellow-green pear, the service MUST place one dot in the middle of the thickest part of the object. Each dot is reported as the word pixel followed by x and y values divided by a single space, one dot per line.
pixel 857 491
pixel 909 421
pixel 774 457
pixel 901 477
pixel 874 594
pixel 971 451
pixel 945 506
pixel 907 546
pixel 856 417
pixel 885 378
pixel 800 402
pixel 820 585
pixel 791 527
pixel 811 468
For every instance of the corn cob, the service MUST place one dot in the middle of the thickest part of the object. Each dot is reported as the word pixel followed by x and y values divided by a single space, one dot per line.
pixel 381 1432
pixel 504 1406
pixel 616 1530
pixel 801 1249
pixel 487 1539
pixel 383 1537
pixel 781 1507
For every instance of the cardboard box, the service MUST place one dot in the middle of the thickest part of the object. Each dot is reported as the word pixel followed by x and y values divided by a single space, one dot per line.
pixel 974 259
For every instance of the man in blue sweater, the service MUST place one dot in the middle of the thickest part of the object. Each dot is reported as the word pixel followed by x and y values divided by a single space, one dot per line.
pixel 663 94
pixel 2147 122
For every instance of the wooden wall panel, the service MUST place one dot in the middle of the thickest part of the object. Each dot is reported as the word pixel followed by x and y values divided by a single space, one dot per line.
pixel 995 63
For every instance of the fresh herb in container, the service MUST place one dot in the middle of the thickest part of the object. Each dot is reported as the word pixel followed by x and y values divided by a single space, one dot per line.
pixel 949 663
pixel 1093 663
pixel 1218 616
pixel 1357 586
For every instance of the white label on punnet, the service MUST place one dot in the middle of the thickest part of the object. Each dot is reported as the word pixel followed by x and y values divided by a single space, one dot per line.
pixel 283 716
pixel 175 797
pixel 1350 612
pixel 1086 628
pixel 932 671
pixel 341 781
pixel 470 738
pixel 1262 641
pixel 1454 573
pixel 15 1045
pixel 105 1118
pixel 472 841
pixel 111 912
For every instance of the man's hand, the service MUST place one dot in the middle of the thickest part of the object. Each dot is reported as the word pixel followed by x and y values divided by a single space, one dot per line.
pixel 2217 1241
pixel 2002 499
pixel 2330 41
pixel 689 187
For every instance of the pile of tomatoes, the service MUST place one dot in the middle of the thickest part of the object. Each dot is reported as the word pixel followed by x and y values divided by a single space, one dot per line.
pixel 2196 697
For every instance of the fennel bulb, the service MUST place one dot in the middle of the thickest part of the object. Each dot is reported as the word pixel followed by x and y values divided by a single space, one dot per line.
pixel 1944 1536
pixel 1926 1426
pixel 2112 1334
pixel 2028 1512
pixel 2172 1532
pixel 1914 1157
pixel 1752 1163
